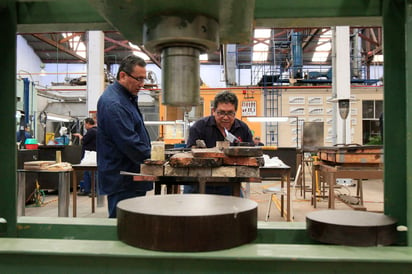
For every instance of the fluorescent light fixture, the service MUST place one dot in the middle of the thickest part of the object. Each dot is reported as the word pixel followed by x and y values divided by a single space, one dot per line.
pixel 57 118
pixel 267 119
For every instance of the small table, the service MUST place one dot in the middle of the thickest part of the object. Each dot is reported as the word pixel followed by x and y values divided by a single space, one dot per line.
pixel 63 189
pixel 331 172
pixel 93 169
pixel 284 173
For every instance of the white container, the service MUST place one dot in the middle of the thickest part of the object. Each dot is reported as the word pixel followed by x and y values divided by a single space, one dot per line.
pixel 158 150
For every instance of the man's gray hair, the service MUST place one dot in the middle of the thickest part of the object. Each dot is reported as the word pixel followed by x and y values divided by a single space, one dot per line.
pixel 128 63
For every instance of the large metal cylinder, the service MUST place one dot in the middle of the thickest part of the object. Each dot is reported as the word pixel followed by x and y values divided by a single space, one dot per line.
pixel 180 38
pixel 180 76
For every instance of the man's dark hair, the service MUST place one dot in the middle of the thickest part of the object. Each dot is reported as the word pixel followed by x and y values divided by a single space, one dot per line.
pixel 89 121
pixel 128 63
pixel 225 97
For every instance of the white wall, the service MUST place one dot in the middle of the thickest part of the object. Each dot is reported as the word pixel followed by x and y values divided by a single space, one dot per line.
pixel 27 60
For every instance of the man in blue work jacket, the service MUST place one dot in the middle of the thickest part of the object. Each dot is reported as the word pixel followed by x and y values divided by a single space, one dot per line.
pixel 123 142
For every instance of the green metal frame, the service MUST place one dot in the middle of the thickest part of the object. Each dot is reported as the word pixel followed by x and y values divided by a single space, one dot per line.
pixel 60 244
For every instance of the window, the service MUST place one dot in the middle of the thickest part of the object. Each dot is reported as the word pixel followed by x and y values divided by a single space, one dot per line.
pixel 371 110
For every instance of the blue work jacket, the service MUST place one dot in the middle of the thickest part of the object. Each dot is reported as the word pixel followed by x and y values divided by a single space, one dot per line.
pixel 123 142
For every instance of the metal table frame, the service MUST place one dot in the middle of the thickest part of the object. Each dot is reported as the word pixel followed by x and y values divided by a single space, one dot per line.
pixel 63 189
pixel 331 172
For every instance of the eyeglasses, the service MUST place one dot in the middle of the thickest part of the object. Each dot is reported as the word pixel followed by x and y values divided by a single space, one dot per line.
pixel 138 79
pixel 222 114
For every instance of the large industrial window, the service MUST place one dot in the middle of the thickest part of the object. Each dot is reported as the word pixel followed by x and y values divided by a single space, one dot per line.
pixel 371 111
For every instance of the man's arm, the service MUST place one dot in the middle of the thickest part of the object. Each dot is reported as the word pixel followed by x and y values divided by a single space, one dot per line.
pixel 131 141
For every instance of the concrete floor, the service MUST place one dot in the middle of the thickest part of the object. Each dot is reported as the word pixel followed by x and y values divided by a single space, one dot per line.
pixel 373 201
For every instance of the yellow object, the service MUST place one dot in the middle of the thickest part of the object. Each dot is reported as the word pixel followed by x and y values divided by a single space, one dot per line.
pixel 49 136
pixel 158 150
pixel 58 156
pixel 269 147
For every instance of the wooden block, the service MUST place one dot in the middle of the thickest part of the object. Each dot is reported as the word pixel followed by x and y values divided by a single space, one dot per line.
pixel 240 151
pixel 243 161
pixel 200 172
pixel 156 170
pixel 246 171
pixel 224 171
pixel 187 160
pixel 154 162
pixel 175 171
pixel 38 165
pixel 207 152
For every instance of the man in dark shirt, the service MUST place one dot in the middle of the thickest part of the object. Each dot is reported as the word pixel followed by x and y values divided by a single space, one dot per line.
pixel 123 142
pixel 89 144
pixel 257 141
pixel 212 128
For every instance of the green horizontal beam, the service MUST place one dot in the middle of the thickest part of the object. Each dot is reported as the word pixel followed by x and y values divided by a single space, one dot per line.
pixel 78 256
pixel 106 229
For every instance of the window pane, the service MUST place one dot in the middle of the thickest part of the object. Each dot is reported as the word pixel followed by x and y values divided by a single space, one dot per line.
pixel 378 108
pixel 367 109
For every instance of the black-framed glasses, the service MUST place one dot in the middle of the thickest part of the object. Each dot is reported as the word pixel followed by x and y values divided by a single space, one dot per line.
pixel 138 79
pixel 222 114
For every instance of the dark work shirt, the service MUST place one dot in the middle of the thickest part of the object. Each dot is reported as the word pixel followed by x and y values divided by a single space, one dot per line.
pixel 89 140
pixel 123 142
pixel 206 129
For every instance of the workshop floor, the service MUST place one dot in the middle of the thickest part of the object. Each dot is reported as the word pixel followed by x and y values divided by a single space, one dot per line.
pixel 373 201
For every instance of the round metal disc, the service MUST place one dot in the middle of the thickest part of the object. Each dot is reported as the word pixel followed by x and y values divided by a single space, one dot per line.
pixel 189 222
pixel 354 228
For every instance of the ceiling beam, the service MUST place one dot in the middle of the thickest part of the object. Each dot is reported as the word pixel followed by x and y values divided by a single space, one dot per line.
pixel 59 46
pixel 125 45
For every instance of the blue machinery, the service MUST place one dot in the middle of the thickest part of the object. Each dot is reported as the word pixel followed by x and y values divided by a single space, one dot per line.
pixel 90 245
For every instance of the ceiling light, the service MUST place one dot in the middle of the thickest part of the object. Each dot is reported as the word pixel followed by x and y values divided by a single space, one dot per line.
pixel 42 70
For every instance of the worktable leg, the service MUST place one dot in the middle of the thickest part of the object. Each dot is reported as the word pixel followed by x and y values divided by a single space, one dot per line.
pixel 158 188
pixel 74 186
pixel 202 186
pixel 93 191
pixel 332 182
pixel 64 194
pixel 21 193
pixel 236 189
pixel 288 201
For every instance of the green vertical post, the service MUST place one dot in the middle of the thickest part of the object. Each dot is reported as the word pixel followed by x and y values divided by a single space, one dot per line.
pixel 408 73
pixel 8 24
pixel 395 108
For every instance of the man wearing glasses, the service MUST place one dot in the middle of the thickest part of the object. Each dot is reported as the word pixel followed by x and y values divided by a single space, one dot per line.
pixel 123 142
pixel 212 128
